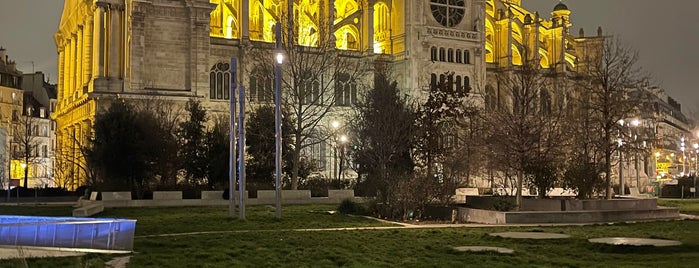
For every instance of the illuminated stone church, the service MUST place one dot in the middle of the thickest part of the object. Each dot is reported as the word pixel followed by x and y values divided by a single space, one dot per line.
pixel 180 49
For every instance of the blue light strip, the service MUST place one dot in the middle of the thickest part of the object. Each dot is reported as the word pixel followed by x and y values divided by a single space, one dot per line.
pixel 67 232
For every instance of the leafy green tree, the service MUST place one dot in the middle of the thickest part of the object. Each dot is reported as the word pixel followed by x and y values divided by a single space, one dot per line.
pixel 216 143
pixel 260 141
pixel 124 148
pixel 192 150
pixel 542 173
pixel 382 131
pixel 438 125
pixel 584 177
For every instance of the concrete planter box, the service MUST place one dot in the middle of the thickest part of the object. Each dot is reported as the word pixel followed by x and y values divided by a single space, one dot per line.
pixel 340 194
pixel 167 195
pixel 533 204
pixel 116 196
pixel 212 195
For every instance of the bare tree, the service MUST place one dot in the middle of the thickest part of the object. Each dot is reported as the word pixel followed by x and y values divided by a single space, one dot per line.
pixel 26 141
pixel 610 76
pixel 317 79
pixel 528 130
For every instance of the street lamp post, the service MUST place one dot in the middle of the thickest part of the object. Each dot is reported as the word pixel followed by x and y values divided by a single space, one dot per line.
pixel 342 141
pixel 696 154
pixel 335 125
pixel 279 59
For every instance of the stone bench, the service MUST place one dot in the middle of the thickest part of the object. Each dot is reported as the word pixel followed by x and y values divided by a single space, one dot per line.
pixel 462 193
pixel 167 195
pixel 88 209
pixel 212 195
pixel 116 196
pixel 340 194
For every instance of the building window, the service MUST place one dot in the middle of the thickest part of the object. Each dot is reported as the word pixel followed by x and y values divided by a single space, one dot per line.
pixel 467 57
pixel 448 138
pixel 433 54
pixel 433 82
pixel 345 90
pixel 441 54
pixel 219 81
pixel 316 153
pixel 310 90
pixel 459 87
pixel 44 151
pixel 458 56
pixel 448 13
pixel 450 55
pixel 467 84
pixel 260 87
pixel 545 99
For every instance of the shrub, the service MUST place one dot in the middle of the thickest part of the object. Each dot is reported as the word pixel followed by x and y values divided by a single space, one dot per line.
pixel 350 207
pixel 503 203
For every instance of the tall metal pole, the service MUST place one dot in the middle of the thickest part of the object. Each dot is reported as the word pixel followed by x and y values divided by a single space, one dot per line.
pixel 241 151
pixel 278 124
pixel 231 134
pixel 621 176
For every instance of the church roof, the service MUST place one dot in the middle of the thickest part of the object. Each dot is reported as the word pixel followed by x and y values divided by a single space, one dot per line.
pixel 560 6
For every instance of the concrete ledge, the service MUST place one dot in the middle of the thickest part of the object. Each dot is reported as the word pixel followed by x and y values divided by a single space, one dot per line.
pixel 88 209
pixel 116 196
pixel 215 198
pixel 498 217
pixel 213 195
pixel 340 194
pixel 167 195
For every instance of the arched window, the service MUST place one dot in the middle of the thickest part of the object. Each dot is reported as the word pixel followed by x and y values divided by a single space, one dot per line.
pixel 450 83
pixel 450 55
pixel 441 54
pixel 433 53
pixel 458 56
pixel 545 100
pixel 260 87
pixel 467 84
pixel 447 139
pixel 442 79
pixel 219 81
pixel 490 98
pixel 433 81
pixel 459 87
pixel 310 89
pixel 467 56
pixel 345 90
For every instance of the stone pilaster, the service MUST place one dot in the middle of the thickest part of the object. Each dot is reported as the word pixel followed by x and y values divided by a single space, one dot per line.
pixel 98 43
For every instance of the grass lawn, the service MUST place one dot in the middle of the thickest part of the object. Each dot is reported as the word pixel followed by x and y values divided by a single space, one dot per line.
pixel 261 242
pixel 687 206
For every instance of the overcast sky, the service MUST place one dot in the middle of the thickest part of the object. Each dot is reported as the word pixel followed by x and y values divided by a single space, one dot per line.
pixel 664 33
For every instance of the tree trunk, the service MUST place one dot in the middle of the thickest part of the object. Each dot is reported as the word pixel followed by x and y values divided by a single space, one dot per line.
pixel 295 165
pixel 518 202
pixel 608 175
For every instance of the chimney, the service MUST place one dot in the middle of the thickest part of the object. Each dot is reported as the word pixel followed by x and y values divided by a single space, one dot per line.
pixel 3 55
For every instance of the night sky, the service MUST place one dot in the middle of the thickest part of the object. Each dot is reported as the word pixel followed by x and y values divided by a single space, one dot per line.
pixel 662 31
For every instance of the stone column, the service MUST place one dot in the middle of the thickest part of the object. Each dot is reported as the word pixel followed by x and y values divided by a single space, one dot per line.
pixel 244 15
pixel 370 26
pixel 79 58
pixel 87 49
pixel 72 61
pixel 61 72
pixel 98 41
pixel 115 41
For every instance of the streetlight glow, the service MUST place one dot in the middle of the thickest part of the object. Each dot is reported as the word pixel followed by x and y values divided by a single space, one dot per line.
pixel 280 58
pixel 335 124
pixel 343 139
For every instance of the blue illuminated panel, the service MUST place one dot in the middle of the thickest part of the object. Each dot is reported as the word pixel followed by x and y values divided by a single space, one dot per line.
pixel 67 232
